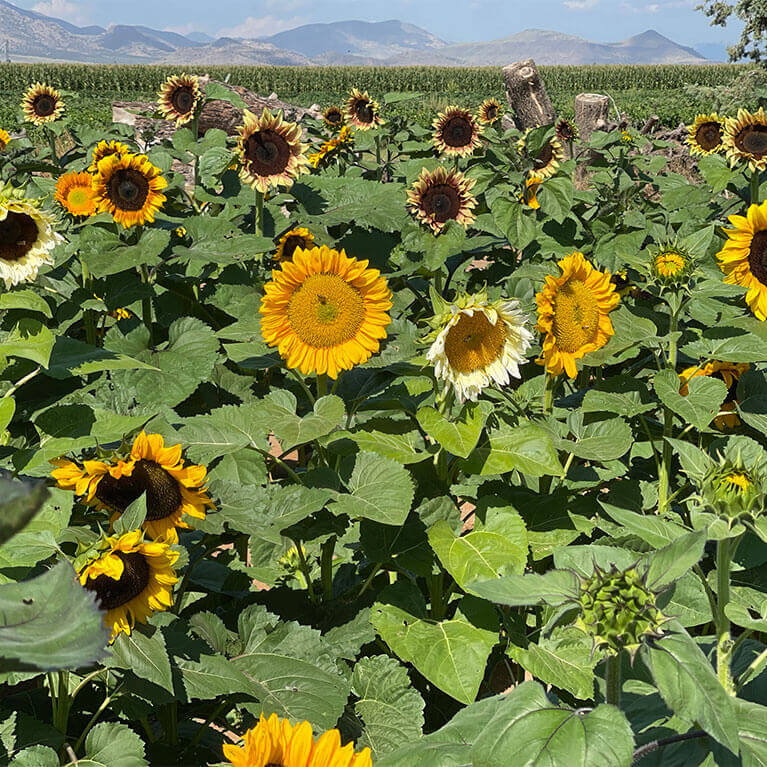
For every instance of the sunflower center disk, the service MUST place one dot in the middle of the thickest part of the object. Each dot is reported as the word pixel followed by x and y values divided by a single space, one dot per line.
pixel 473 343
pixel 545 157
pixel 457 132
pixel 163 496
pixel 44 106
pixel 670 264
pixel 326 311
pixel 79 198
pixel 267 153
pixel 363 110
pixel 753 140
pixel 576 316
pixel 182 100
pixel 291 244
pixel 757 256
pixel 112 593
pixel 441 202
pixel 709 135
pixel 18 233
pixel 128 189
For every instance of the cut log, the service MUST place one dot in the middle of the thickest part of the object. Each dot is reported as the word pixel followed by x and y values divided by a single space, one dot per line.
pixel 591 113
pixel 650 125
pixel 527 95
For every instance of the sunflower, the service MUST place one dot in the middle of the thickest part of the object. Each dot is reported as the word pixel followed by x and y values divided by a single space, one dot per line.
pixel 333 117
pixel 489 111
pixel 476 343
pixel 456 132
pixel 5 139
pixel 546 162
pixel 42 104
pixel 737 482
pixel 271 152
pixel 295 238
pixel 74 192
pixel 745 139
pixel 345 138
pixel 325 312
pixel 130 188
pixel 27 238
pixel 670 263
pixel 361 111
pixel 440 196
pixel 83 480
pixel 105 149
pixel 706 134
pixel 179 97
pixel 573 312
pixel 743 259
pixel 566 130
pixel 530 195
pixel 132 578
pixel 275 742
pixel 730 373
pixel 626 137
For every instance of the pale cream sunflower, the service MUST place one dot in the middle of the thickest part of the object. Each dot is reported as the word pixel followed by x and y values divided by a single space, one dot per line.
pixel 706 134
pixel 42 104
pixel 440 196
pixel 456 132
pixel 74 192
pixel 333 117
pixel 549 158
pixel 745 139
pixel 362 112
pixel 490 110
pixel 730 373
pixel 179 97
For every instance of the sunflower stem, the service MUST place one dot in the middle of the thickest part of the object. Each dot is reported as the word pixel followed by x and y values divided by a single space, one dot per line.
pixel 755 187
pixel 304 565
pixel 322 385
pixel 146 303
pixel 61 703
pixel 548 393
pixel 259 214
pixel 326 566
pixel 52 144
pixel 90 324
pixel 664 474
pixel 725 550
pixel 613 680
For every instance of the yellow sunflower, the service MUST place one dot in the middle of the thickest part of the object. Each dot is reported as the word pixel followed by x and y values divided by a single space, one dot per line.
pixel 27 238
pixel 328 149
pixel 275 742
pixel 456 132
pixel 74 192
pixel 670 263
pixel 476 343
pixel 132 579
pixel 706 134
pixel 270 149
pixel 573 313
pixel 84 480
pixel 566 130
pixel 737 482
pixel 5 139
pixel 730 373
pixel 129 188
pixel 440 196
pixel 42 104
pixel 179 97
pixel 325 312
pixel 361 111
pixel 295 238
pixel 333 117
pixel 530 196
pixel 489 111
pixel 548 160
pixel 743 259
pixel 105 149
pixel 745 139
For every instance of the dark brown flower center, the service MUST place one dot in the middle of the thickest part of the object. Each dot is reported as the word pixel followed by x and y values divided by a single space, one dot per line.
pixel 293 241
pixel 128 189
pixel 752 140
pixel 333 116
pixel 458 131
pixel 491 112
pixel 545 157
pixel 709 135
pixel 565 131
pixel 163 495
pixel 44 105
pixel 757 256
pixel 267 153
pixel 441 202
pixel 111 593
pixel 18 233
pixel 182 99
pixel 363 111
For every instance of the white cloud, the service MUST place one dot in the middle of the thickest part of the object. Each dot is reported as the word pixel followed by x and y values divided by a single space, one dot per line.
pixel 184 29
pixel 581 5
pixel 261 26
pixel 63 9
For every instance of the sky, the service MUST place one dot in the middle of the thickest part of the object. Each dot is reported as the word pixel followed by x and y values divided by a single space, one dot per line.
pixel 451 20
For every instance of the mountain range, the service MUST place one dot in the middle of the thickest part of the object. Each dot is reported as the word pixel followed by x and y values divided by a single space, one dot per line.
pixel 32 36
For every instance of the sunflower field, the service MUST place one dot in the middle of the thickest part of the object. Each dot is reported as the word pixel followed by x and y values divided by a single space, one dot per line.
pixel 357 443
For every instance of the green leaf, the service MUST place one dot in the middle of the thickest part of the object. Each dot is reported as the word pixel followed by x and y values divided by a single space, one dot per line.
pixel 517 224
pixel 695 463
pixel 752 730
pixel 50 622
pixel 211 676
pixel 700 405
pixel 27 300
pixel 144 653
pixel 654 530
pixel 105 253
pixel 29 339
pixel 716 171
pixel 20 502
pixel 458 437
pixel 673 561
pixel 213 163
pixel 554 588
pixel 36 756
pixel 218 92
pixel 601 441
pixel 557 197
pixel 7 411
pixel 113 745
pixel 379 488
pixel 71 357
pixel 389 707
pixel 133 516
pixel 279 411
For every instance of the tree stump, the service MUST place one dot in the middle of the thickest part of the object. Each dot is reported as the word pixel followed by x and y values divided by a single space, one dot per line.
pixel 591 113
pixel 527 95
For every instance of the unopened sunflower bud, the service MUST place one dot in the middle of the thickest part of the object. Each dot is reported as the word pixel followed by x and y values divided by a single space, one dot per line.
pixel 671 264
pixel 733 491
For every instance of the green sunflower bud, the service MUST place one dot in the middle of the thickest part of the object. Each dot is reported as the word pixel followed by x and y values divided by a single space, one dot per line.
pixel 733 490
pixel 671 264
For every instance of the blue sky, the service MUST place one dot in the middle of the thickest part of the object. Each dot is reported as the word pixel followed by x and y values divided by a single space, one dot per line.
pixel 452 20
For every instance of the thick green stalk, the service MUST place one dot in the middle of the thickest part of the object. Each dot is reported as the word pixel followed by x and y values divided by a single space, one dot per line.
pixel 548 393
pixel 90 324
pixel 146 304
pixel 613 680
pixel 725 550
pixel 326 566
pixel 755 187
pixel 668 425
pixel 304 565
pixel 259 214
pixel 322 385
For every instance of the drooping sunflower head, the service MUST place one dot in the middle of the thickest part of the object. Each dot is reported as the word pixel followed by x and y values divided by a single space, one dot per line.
pixel 361 111
pixel 105 149
pixel 129 188
pixel 270 150
pixel 730 373
pixel 743 259
pixel 74 192
pixel 489 111
pixel 42 104
pixel 566 130
pixel 670 264
pixel 333 117
pixel 574 313
pixel 325 312
pixel 456 132
pixel 706 134
pixel 290 241
pixel 745 139
pixel 548 159
pixel 5 139
pixel 27 238
pixel 274 742
pixel 440 196
pixel 476 343
pixel 179 98
pixel 131 578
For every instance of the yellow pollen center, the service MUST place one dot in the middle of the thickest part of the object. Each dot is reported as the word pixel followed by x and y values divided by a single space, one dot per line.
pixel 669 264
pixel 473 343
pixel 79 199
pixel 326 311
pixel 576 316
